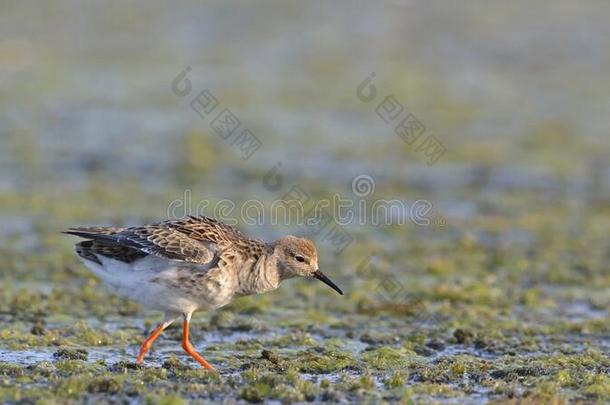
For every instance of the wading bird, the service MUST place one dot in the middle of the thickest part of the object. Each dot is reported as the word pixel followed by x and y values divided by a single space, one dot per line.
pixel 195 263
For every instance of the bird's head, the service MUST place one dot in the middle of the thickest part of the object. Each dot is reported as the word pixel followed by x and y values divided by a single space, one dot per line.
pixel 298 257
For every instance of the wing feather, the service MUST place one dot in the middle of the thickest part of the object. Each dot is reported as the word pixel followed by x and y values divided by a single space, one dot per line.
pixel 157 240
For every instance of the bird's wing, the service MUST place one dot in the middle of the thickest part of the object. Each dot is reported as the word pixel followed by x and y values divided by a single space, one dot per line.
pixel 158 240
pixel 229 240
pixel 209 230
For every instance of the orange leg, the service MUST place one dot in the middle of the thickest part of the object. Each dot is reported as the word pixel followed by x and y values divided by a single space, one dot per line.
pixel 149 340
pixel 186 344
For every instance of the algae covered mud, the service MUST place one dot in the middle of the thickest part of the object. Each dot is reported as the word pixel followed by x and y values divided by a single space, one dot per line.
pixel 498 291
pixel 480 324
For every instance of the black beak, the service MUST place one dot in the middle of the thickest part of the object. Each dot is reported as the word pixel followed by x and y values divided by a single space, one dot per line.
pixel 320 276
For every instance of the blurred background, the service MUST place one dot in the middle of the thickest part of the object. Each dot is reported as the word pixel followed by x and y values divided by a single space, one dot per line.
pixel 507 287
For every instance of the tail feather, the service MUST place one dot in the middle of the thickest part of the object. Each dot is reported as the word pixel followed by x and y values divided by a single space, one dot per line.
pixel 91 235
pixel 108 238
pixel 106 242
pixel 102 234
pixel 93 230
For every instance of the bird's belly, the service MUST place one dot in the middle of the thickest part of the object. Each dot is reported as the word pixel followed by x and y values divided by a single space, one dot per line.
pixel 138 281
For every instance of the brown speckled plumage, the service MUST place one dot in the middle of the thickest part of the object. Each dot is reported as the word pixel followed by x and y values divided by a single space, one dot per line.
pixel 181 265
pixel 191 239
pixel 89 250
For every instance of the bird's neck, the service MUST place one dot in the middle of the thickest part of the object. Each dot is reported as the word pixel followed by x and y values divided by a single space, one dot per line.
pixel 261 276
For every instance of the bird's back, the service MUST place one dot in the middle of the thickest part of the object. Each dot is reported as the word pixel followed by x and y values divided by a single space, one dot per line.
pixel 191 239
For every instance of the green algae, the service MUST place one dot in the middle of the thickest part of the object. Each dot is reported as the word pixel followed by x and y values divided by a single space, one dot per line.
pixel 71 354
pixel 403 362
pixel 321 361
pixel 387 358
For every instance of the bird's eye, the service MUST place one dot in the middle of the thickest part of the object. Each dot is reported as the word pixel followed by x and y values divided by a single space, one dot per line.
pixel 300 259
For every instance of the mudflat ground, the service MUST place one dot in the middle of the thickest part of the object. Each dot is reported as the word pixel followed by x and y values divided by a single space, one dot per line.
pixel 502 296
